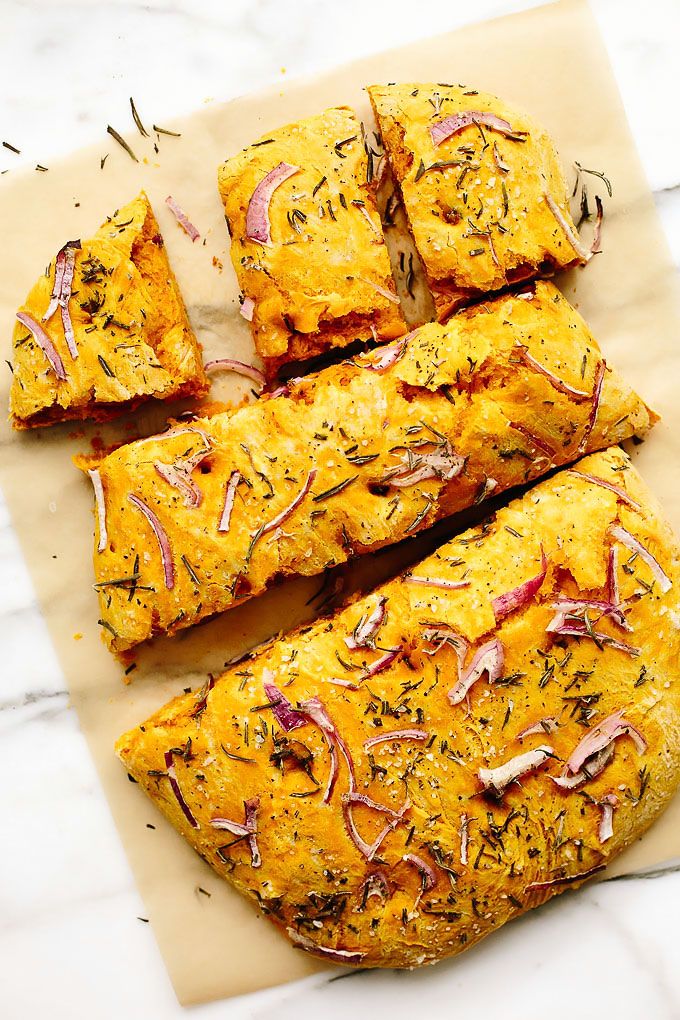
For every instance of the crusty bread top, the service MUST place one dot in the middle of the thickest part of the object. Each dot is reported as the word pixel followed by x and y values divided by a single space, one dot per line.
pixel 456 862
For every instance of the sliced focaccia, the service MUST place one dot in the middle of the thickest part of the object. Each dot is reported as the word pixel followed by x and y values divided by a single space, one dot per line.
pixel 361 455
pixel 306 241
pixel 104 329
pixel 482 188
pixel 491 728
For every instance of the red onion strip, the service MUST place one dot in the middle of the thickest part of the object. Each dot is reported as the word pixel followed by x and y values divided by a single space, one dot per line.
pixel 585 254
pixel 229 497
pixel 625 538
pixel 457 122
pixel 554 380
pixel 247 309
pixel 597 394
pixel 172 776
pixel 589 770
pixel 546 725
pixel 336 955
pixel 364 634
pixel 162 538
pixel 248 829
pixel 464 838
pixel 384 357
pixel 620 492
pixel 614 726
pixel 284 713
pixel 257 216
pixel 182 218
pixel 101 508
pixel 540 444
pixel 44 343
pixel 489 658
pixel 605 829
pixel 505 604
pixel 64 269
pixel 285 514
pixel 180 478
pixel 383 738
pixel 499 778
pixel 376 287
pixel 239 367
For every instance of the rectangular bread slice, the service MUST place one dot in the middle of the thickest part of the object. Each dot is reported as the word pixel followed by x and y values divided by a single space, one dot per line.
pixel 359 456
pixel 104 329
pixel 482 188
pixel 396 781
pixel 306 240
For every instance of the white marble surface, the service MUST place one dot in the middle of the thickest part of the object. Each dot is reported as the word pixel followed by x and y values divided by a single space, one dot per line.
pixel 71 943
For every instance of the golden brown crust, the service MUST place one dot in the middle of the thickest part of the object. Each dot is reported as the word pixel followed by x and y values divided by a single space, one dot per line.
pixel 461 414
pixel 131 330
pixel 476 201
pixel 318 284
pixel 458 863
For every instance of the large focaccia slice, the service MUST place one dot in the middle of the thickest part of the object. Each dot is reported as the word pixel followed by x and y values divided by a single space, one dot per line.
pixel 104 329
pixel 361 455
pixel 400 779
pixel 306 241
pixel 482 187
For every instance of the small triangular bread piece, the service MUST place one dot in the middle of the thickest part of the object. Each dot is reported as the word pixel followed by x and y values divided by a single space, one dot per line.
pixel 482 186
pixel 104 329
pixel 306 240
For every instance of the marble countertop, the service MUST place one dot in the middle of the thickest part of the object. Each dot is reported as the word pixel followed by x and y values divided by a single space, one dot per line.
pixel 72 939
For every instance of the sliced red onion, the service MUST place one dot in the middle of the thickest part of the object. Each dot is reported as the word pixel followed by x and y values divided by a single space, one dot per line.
pixel 239 367
pixel 182 218
pixel 172 776
pixel 589 770
pixel 376 287
pixel 179 478
pixel 44 343
pixel 546 725
pixel 457 122
pixel 567 880
pixel 554 380
pixel 385 356
pixel 369 850
pixel 575 241
pixel 597 394
pixel 64 269
pixel 428 877
pixel 489 658
pixel 605 829
pixel 315 710
pixel 568 607
pixel 499 778
pixel 257 216
pixel 364 634
pixel 229 497
pixel 620 492
pixel 565 625
pixel 285 514
pixel 440 634
pixel 246 829
pixel 613 577
pixel 247 309
pixel 464 838
pixel 345 956
pixel 101 508
pixel 284 713
pixel 505 604
pixel 610 729
pixel 161 537
pixel 625 538
pixel 384 738
pixel 540 444
pixel 435 582
pixel 375 884
pixel 443 463
pixel 367 216
pixel 382 663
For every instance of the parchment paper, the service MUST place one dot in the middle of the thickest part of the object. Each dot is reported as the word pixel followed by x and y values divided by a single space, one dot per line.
pixel 550 61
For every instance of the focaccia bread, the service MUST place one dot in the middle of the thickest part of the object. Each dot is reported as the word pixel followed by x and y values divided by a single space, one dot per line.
pixel 357 457
pixel 482 187
pixel 485 731
pixel 104 328
pixel 306 240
